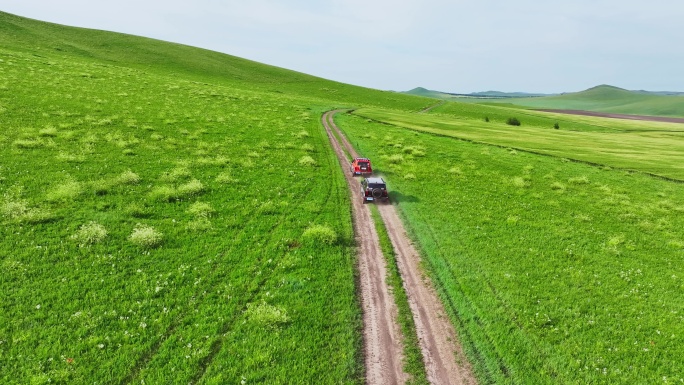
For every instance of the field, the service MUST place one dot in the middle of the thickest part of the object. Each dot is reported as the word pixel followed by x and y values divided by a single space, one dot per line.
pixel 165 222
pixel 652 147
pixel 171 214
pixel 554 271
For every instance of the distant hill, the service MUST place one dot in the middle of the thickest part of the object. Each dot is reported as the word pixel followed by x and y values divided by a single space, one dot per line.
pixel 602 98
pixel 420 91
pixel 499 94
pixel 611 99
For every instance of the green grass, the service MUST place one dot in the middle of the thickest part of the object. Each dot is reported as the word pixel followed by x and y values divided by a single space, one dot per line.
pixel 552 271
pixel 172 214
pixel 650 147
pixel 156 218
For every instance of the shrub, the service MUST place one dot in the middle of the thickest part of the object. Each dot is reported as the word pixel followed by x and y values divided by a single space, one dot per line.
pixel 146 236
pixel 37 215
pixel 72 158
pixel 267 208
pixel 455 170
pixel 513 122
pixel 320 234
pixel 199 224
pixel 520 182
pixel 307 161
pixel 266 315
pixel 395 159
pixel 579 180
pixel 14 209
pixel 302 134
pixel 48 131
pixel 193 187
pixel 201 209
pixel 178 173
pixel 164 194
pixel 225 178
pixel 90 233
pixel 415 151
pixel 137 211
pixel 28 143
pixel 486 119
pixel 101 186
pixel 128 177
pixel 65 191
pixel 556 126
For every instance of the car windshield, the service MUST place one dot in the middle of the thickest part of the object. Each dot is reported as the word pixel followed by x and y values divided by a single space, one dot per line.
pixel 363 164
pixel 376 185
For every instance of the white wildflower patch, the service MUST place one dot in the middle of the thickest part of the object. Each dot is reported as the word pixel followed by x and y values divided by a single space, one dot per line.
pixel 266 315
pixel 90 233
pixel 146 236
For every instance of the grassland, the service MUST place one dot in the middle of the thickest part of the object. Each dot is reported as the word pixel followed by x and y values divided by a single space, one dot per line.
pixel 170 215
pixel 553 271
pixel 158 239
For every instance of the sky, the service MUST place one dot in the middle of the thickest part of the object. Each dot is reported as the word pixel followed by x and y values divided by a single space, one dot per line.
pixel 458 46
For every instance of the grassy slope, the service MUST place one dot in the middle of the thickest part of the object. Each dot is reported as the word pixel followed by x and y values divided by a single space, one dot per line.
pixel 612 100
pixel 224 157
pixel 172 114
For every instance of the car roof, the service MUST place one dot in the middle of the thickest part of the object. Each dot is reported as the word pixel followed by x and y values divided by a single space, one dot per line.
pixel 375 180
pixel 365 159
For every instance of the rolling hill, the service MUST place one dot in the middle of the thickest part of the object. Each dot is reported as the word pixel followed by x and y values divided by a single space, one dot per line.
pixel 609 99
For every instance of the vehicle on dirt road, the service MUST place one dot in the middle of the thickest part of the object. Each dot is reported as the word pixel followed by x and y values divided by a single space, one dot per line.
pixel 361 166
pixel 374 189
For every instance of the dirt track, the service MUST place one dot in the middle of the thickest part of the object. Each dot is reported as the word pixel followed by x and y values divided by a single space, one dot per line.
pixel 442 355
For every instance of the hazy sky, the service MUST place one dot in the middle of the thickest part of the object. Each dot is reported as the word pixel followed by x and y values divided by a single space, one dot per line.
pixel 447 45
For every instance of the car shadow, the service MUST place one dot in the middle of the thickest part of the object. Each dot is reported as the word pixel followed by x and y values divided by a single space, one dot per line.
pixel 396 196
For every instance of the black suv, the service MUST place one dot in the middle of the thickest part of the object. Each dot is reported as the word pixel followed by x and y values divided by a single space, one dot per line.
pixel 373 189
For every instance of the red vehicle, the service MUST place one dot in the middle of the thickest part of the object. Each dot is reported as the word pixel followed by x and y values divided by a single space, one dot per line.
pixel 361 166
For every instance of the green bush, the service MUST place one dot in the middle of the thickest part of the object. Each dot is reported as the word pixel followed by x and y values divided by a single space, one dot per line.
pixel 193 187
pixel 201 209
pixel 266 315
pixel 146 236
pixel 90 233
pixel 320 234
pixel 513 122
pixel 128 177
pixel 307 161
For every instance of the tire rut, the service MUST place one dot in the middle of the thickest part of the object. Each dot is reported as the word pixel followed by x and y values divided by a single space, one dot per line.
pixel 445 362
pixel 382 335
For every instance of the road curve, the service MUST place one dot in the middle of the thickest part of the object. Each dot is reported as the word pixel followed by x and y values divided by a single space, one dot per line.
pixel 444 360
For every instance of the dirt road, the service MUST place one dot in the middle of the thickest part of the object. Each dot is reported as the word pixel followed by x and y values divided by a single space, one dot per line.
pixel 442 355
pixel 381 331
